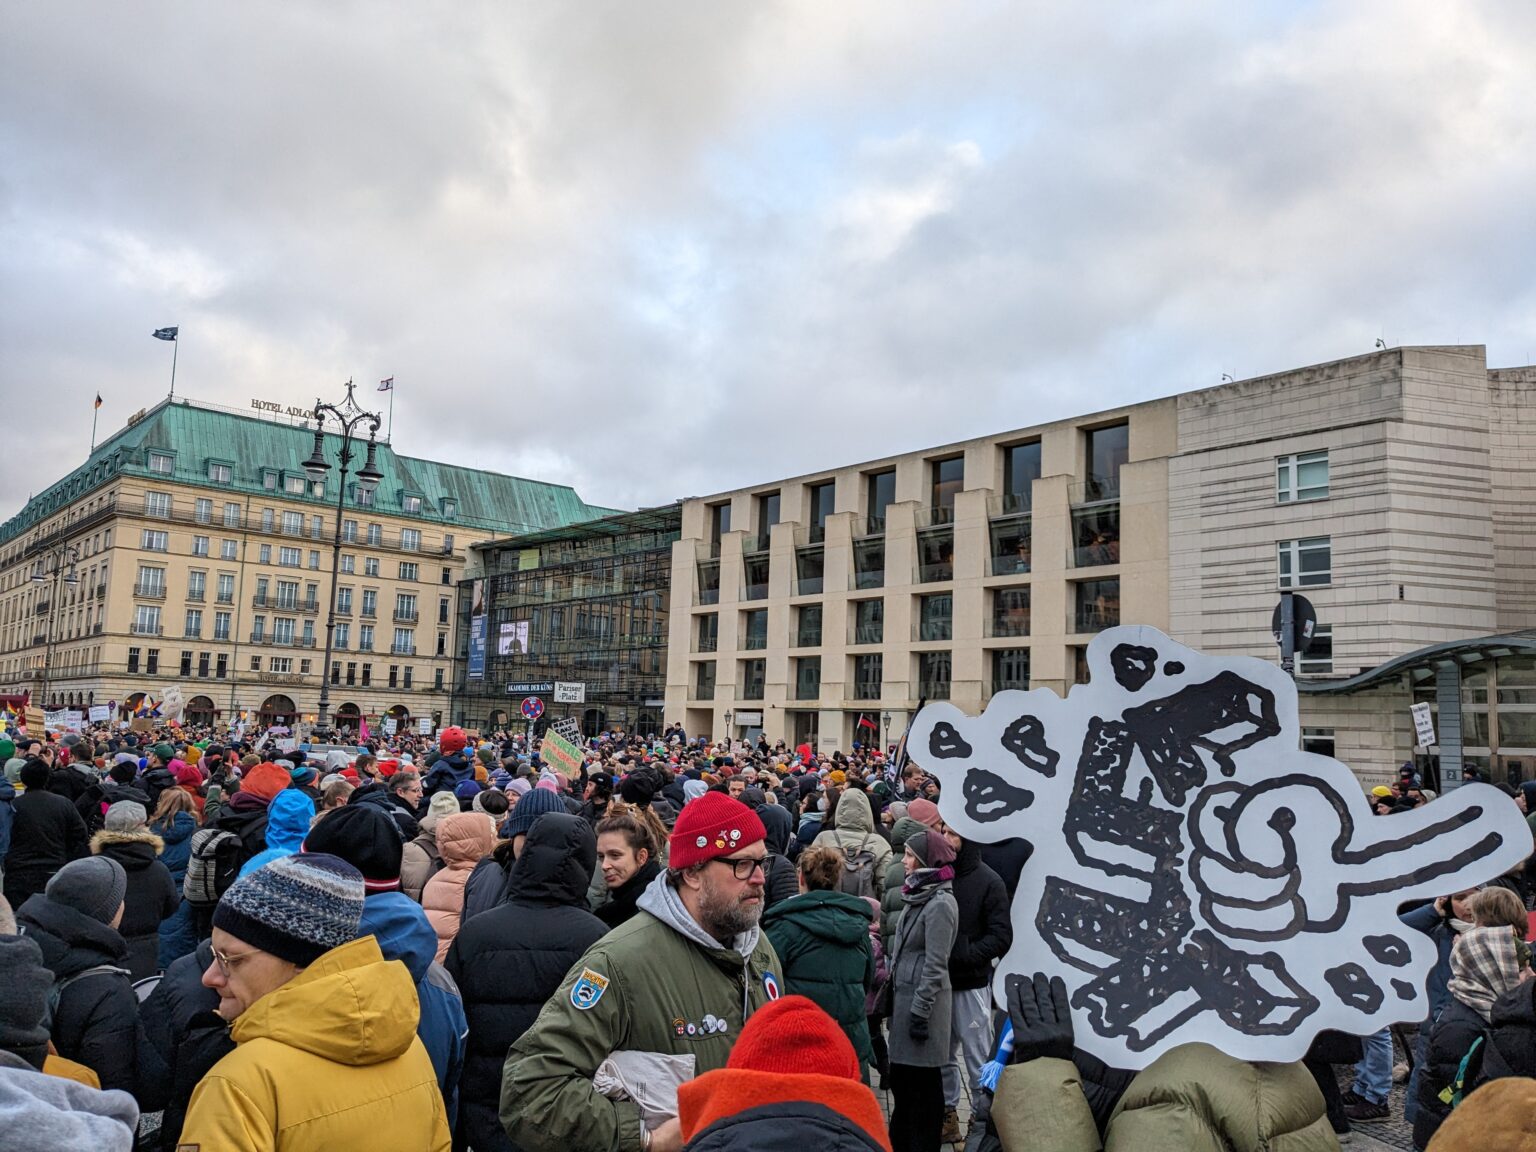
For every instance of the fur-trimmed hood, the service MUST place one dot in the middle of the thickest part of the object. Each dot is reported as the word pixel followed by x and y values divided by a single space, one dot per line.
pixel 133 850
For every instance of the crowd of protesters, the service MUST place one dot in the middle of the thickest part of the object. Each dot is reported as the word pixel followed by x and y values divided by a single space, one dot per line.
pixel 689 943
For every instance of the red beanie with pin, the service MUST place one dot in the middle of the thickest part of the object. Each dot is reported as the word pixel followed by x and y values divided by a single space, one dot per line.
pixel 712 826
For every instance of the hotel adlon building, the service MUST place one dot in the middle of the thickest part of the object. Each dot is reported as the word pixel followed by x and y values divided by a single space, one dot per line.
pixel 1394 490
pixel 201 557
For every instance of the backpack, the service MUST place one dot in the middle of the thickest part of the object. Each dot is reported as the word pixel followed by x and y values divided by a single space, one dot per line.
pixel 858 878
pixel 428 844
pixel 56 989
pixel 212 866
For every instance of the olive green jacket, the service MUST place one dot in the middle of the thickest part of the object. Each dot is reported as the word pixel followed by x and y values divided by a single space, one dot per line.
pixel 655 991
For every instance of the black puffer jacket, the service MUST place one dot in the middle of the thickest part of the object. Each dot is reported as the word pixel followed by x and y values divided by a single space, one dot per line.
pixel 46 834
pixel 97 1019
pixel 150 898
pixel 787 1126
pixel 1457 1027
pixel 985 930
pixel 1512 1045
pixel 246 816
pixel 509 961
pixel 186 1033
pixel 622 900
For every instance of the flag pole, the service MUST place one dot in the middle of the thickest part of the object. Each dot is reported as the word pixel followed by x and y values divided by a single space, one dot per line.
pixel 95 412
pixel 175 348
pixel 389 433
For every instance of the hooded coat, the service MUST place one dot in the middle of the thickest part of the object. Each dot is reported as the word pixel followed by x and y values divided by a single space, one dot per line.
pixel 539 933
pixel 329 1060
pixel 150 896
pixel 289 817
pixel 780 880
pixel 96 1022
pixel 822 939
pixel 176 835
pixel 855 832
pixel 464 840
pixel 920 981
pixel 447 774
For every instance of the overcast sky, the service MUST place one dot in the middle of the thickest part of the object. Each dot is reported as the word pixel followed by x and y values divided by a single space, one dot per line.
pixel 663 249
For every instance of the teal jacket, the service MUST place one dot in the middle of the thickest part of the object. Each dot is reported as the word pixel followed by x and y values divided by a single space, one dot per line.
pixel 822 939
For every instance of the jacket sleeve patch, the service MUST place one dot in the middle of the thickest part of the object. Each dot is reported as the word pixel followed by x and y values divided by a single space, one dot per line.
pixel 588 989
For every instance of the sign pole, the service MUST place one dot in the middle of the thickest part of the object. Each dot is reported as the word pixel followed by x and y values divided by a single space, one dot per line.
pixel 1287 634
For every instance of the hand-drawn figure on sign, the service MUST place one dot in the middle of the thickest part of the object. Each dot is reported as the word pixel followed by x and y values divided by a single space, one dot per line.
pixel 1195 875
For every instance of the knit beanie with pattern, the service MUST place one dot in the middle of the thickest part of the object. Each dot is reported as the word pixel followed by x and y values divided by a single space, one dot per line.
pixel 297 907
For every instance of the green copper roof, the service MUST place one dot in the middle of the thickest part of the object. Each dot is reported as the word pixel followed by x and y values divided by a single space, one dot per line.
pixel 197 435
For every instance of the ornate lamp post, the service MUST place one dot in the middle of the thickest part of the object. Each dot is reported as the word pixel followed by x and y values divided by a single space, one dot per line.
pixel 350 416
pixel 885 719
pixel 57 566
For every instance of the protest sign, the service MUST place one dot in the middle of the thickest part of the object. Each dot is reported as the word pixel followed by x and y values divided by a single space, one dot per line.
pixel 561 754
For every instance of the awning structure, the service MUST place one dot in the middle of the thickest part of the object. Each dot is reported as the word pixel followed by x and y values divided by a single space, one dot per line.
pixel 1422 664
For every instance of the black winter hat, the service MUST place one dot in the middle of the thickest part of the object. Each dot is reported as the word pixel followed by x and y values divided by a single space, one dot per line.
pixel 25 1003
pixel 365 837
pixel 639 788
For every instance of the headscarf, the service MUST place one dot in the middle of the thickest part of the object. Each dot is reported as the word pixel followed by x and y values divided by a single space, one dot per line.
pixel 692 790
pixel 1485 964
pixel 937 858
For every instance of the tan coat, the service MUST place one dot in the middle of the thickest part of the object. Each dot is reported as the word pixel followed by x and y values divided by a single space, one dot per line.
pixel 464 840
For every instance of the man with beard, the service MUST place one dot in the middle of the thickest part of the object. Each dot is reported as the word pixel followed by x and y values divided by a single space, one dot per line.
pixel 680 978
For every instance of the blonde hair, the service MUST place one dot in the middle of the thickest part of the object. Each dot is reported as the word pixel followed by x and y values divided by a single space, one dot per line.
pixel 172 801
pixel 820 868
pixel 1497 907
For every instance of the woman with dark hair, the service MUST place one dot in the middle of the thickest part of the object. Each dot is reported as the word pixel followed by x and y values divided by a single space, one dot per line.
pixel 628 859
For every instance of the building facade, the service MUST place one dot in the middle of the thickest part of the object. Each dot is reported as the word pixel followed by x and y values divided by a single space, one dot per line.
pixel 1392 490
pixel 201 556
pixel 576 618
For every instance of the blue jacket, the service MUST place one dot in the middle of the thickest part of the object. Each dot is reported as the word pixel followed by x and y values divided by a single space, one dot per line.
pixel 288 819
pixel 7 816
pixel 178 844
pixel 448 773
pixel 1437 928
pixel 404 933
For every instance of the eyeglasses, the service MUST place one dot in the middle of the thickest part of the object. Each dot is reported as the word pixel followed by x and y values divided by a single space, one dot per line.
pixel 742 867
pixel 227 962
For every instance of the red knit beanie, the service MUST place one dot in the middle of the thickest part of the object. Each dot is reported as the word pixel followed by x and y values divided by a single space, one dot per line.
pixel 714 825
pixel 792 1034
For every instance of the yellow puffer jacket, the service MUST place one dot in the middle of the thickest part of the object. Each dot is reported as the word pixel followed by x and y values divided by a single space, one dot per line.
pixel 328 1061
pixel 1192 1099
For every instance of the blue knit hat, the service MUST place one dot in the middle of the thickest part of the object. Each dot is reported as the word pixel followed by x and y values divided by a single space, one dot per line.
pixel 535 804
pixel 297 907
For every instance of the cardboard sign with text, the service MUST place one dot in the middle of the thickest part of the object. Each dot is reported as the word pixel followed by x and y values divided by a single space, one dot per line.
pixel 561 754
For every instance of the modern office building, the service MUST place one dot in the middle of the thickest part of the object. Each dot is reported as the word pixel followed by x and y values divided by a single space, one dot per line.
pixel 1393 490
pixel 200 551
pixel 575 617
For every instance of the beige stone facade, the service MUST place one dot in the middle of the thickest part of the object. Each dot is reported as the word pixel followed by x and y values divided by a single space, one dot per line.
pixel 1393 490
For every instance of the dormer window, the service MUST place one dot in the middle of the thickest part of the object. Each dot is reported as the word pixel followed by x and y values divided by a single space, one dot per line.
pixel 162 462
pixel 411 503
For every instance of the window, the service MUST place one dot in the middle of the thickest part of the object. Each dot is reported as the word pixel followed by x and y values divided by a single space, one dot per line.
pixel 375 535
pixel 442 643
pixel 754 573
pixel 199 545
pixel 365 637
pixel 708 632
pixel 151 582
pixel 194 629
pixel 1021 468
pixel 1098 605
pixel 410 503
pixel 161 462
pixel 314 560
pixel 767 513
pixel 282 629
pixel 268 518
pixel 197 584
pixel 810 571
pixel 1319 658
pixel 255 663
pixel 868 621
pixel 280 664
pixel 933 674
pixel 394 675
pixel 370 565
pixel 1302 476
pixel 202 510
pixel 221 666
pixel 202 664
pixel 226 588
pixel 343 635
pixel 1010 612
pixel 269 479
pixel 709 581
pixel 410 539
pixel 363 497
pixel 704 680
pixel 367 674
pixel 317 489
pixel 370 602
pixel 349 531
pixel 948 480
pixel 1318 741
pixel 133 659
pixel 151 660
pixel 409 571
pixel 1108 450
pixel 309 633
pixel 351 672
pixel 1012 545
pixel 808 678
pixel 349 564
pixel 258 628
pixel 935 555
pixel 868 672
pixel 293 485
pixel 264 554
pixel 719 521
pixel 450 508
pixel 405 642
pixel 336 672
pixel 1096 535
pixel 869 563
pixel 221 626
pixel 220 474
pixel 447 572
pixel 442 609
pixel 437 679
pixel 290 557
pixel 405 606
pixel 228 550
pixel 881 495
pixel 344 600
pixel 1306 563
pixel 293 523
pixel 808 626
pixel 317 526
pixel 312 596
pixel 753 679
pixel 1010 670
pixel 406 672
pixel 823 498
pixel 754 630
pixel 935 617
pixel 152 541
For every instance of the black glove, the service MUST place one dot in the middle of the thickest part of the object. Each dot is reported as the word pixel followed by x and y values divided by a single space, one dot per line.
pixel 1041 1018
pixel 917 1028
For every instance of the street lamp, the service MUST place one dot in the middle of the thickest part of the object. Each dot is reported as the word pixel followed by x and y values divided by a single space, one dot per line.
pixel 885 719
pixel 42 573
pixel 728 732
pixel 351 417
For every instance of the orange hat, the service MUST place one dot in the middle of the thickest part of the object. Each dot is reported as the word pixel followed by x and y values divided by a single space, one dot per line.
pixel 265 781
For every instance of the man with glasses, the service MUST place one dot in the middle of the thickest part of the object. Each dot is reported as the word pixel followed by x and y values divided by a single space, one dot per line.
pixel 680 978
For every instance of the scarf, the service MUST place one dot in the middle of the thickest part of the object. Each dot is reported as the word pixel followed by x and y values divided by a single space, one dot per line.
pixel 1484 966
pixel 922 883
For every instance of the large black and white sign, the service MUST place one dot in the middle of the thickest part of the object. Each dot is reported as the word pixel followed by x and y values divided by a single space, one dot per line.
pixel 1197 877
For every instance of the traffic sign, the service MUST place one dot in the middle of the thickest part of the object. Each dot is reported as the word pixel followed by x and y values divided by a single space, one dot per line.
pixel 532 708
pixel 1303 622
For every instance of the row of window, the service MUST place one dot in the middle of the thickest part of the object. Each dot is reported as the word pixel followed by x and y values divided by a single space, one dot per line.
pixel 160 504
pixel 292 483
pixel 215 665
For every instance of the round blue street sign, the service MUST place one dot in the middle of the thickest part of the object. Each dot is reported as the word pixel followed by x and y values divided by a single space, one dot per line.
pixel 533 708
